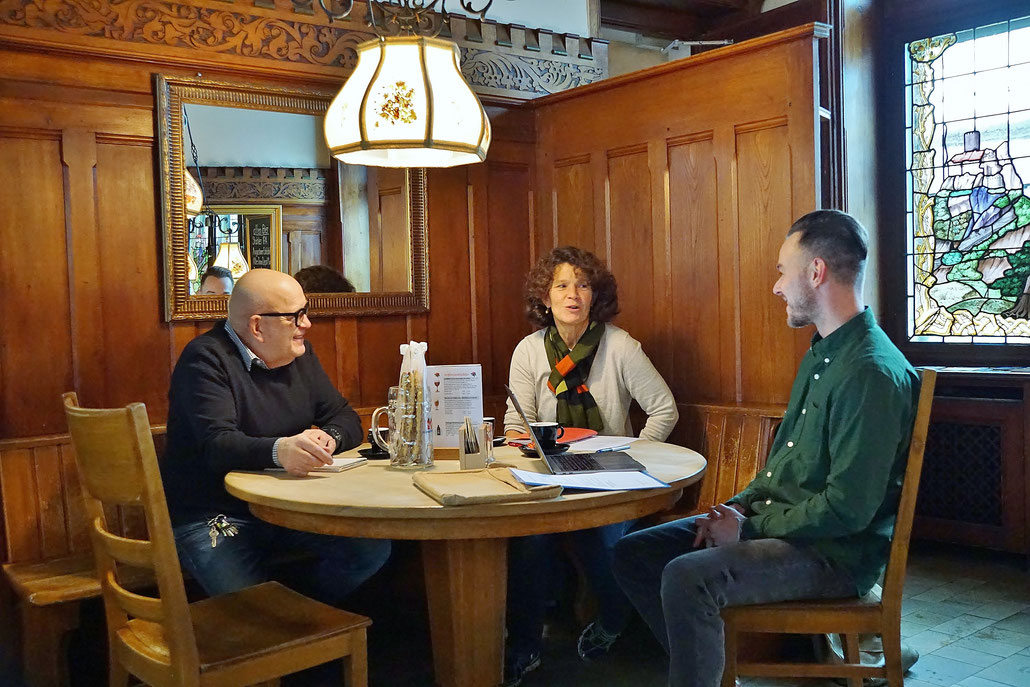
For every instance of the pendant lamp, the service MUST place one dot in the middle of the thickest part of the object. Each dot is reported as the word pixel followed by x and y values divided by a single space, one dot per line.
pixel 231 257
pixel 194 194
pixel 406 104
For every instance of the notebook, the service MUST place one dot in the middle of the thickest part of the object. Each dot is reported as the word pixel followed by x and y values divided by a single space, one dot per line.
pixel 340 463
pixel 570 463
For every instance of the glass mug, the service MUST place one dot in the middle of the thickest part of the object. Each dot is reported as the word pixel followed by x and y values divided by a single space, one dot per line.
pixel 399 414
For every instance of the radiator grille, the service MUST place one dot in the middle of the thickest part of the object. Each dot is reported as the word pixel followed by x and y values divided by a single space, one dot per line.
pixel 962 474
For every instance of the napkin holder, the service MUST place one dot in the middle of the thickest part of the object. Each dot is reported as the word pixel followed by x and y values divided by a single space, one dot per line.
pixel 473 461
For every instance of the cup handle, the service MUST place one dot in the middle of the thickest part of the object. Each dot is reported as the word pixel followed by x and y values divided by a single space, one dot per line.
pixel 376 435
pixel 560 434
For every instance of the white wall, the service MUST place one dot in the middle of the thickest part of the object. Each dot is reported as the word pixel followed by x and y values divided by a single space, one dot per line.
pixel 560 16
pixel 235 137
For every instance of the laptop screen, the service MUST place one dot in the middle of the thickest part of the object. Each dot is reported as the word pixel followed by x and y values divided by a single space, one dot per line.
pixel 525 421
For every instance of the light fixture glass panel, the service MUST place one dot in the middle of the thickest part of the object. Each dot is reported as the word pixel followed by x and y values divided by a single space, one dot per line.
pixel 193 194
pixel 231 257
pixel 397 108
pixel 452 95
pixel 341 119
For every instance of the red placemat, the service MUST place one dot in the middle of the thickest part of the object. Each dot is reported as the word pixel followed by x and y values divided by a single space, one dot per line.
pixel 571 434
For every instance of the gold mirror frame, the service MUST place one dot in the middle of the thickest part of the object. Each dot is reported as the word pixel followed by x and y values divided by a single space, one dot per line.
pixel 172 93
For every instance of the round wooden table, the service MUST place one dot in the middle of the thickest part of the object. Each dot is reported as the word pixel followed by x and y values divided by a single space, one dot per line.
pixel 464 548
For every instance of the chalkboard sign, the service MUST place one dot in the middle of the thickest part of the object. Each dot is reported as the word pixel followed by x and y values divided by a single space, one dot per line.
pixel 259 241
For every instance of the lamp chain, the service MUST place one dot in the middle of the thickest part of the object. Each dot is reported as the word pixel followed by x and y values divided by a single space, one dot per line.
pixel 404 17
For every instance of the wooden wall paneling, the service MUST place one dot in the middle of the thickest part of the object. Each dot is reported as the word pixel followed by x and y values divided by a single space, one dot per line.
pixel 575 205
pixel 33 283
pixel 79 157
pixel 508 261
pixel 51 501
pixel 763 215
pixel 661 247
pixel 379 341
pixel 724 145
pixel 632 258
pixel 694 253
pixel 454 295
pixel 17 495
pixel 347 376
pixel 394 243
pixel 601 245
pixel 129 262
pixel 75 510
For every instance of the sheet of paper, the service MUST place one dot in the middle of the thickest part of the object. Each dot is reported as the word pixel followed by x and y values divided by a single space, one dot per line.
pixel 455 391
pixel 602 443
pixel 596 481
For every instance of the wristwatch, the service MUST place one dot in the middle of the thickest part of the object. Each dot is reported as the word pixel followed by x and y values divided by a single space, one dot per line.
pixel 335 434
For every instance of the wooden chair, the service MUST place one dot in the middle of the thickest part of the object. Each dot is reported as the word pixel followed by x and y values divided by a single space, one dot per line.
pixel 849 617
pixel 254 635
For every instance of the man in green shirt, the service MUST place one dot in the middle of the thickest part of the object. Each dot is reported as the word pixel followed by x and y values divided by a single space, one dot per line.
pixel 817 520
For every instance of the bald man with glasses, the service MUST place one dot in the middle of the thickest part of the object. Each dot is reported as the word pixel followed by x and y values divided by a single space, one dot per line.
pixel 248 395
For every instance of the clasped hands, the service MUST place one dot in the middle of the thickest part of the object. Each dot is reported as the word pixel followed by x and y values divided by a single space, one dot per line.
pixel 720 526
pixel 306 451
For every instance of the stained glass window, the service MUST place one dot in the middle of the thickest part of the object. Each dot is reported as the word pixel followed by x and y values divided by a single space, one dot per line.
pixel 968 136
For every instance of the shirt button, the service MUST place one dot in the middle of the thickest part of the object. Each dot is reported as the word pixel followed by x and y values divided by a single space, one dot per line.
pixel 816 375
pixel 768 474
pixel 768 501
pixel 790 444
pixel 826 360
pixel 804 410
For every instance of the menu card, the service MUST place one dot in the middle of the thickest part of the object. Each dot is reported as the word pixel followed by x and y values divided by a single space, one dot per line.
pixel 454 391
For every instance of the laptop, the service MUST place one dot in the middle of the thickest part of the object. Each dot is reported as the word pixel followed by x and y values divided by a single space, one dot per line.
pixel 572 463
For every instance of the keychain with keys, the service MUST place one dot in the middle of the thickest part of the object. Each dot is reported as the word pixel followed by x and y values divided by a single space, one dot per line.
pixel 220 525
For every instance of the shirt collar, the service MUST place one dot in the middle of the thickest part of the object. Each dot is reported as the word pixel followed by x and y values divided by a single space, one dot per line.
pixel 249 357
pixel 859 324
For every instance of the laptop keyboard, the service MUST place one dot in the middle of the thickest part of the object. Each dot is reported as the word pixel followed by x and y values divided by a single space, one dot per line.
pixel 577 461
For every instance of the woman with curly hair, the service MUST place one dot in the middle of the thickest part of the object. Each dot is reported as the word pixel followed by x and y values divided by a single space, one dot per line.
pixel 581 371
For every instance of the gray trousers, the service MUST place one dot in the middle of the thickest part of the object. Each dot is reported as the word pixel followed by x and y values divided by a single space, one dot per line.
pixel 679 590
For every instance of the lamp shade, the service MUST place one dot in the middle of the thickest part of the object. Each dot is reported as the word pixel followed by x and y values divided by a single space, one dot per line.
pixel 194 195
pixel 407 105
pixel 231 257
pixel 191 268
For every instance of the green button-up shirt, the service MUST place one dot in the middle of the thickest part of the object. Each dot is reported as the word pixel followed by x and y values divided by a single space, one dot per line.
pixel 833 479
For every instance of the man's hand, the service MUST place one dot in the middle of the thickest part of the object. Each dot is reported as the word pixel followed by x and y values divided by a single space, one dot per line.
pixel 720 526
pixel 306 451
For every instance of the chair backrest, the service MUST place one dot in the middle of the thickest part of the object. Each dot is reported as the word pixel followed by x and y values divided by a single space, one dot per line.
pixel 117 464
pixel 894 578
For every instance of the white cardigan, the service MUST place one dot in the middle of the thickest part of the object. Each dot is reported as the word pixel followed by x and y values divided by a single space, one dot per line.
pixel 621 372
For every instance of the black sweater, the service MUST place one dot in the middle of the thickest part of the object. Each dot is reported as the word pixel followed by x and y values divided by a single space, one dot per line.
pixel 222 418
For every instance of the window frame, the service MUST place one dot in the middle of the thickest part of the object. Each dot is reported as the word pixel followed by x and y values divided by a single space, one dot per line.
pixel 901 23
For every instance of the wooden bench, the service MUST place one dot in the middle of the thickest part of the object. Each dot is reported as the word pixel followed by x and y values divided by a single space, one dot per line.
pixel 47 560
pixel 734 439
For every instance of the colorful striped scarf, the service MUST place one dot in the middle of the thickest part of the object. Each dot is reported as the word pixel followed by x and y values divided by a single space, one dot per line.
pixel 568 379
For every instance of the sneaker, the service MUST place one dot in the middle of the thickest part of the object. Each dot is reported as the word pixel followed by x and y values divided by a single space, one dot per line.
pixel 594 642
pixel 516 668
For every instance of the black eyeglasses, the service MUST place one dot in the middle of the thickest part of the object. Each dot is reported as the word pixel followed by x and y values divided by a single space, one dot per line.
pixel 295 315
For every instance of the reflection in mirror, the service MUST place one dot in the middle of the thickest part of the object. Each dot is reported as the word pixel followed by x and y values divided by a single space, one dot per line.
pixel 273 197
pixel 237 238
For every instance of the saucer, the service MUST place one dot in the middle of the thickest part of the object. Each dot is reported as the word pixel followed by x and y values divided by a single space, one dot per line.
pixel 558 448
pixel 374 453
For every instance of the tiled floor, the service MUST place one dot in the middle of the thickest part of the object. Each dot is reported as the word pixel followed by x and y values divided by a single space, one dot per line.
pixel 967 612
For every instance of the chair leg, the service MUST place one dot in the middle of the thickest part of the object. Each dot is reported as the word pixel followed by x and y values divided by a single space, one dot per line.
pixel 852 655
pixel 892 656
pixel 117 675
pixel 355 664
pixel 729 670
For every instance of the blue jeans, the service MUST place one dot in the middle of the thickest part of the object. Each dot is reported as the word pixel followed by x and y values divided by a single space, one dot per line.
pixel 531 575
pixel 241 561
pixel 679 590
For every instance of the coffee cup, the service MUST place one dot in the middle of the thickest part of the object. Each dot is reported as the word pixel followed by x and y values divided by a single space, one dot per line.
pixel 547 433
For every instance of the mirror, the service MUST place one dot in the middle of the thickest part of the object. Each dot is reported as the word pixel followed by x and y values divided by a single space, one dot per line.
pixel 273 197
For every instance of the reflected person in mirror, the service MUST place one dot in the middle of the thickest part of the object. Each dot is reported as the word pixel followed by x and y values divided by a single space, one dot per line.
pixel 216 281
pixel 323 279
pixel 249 395
pixel 580 370
pixel 816 522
